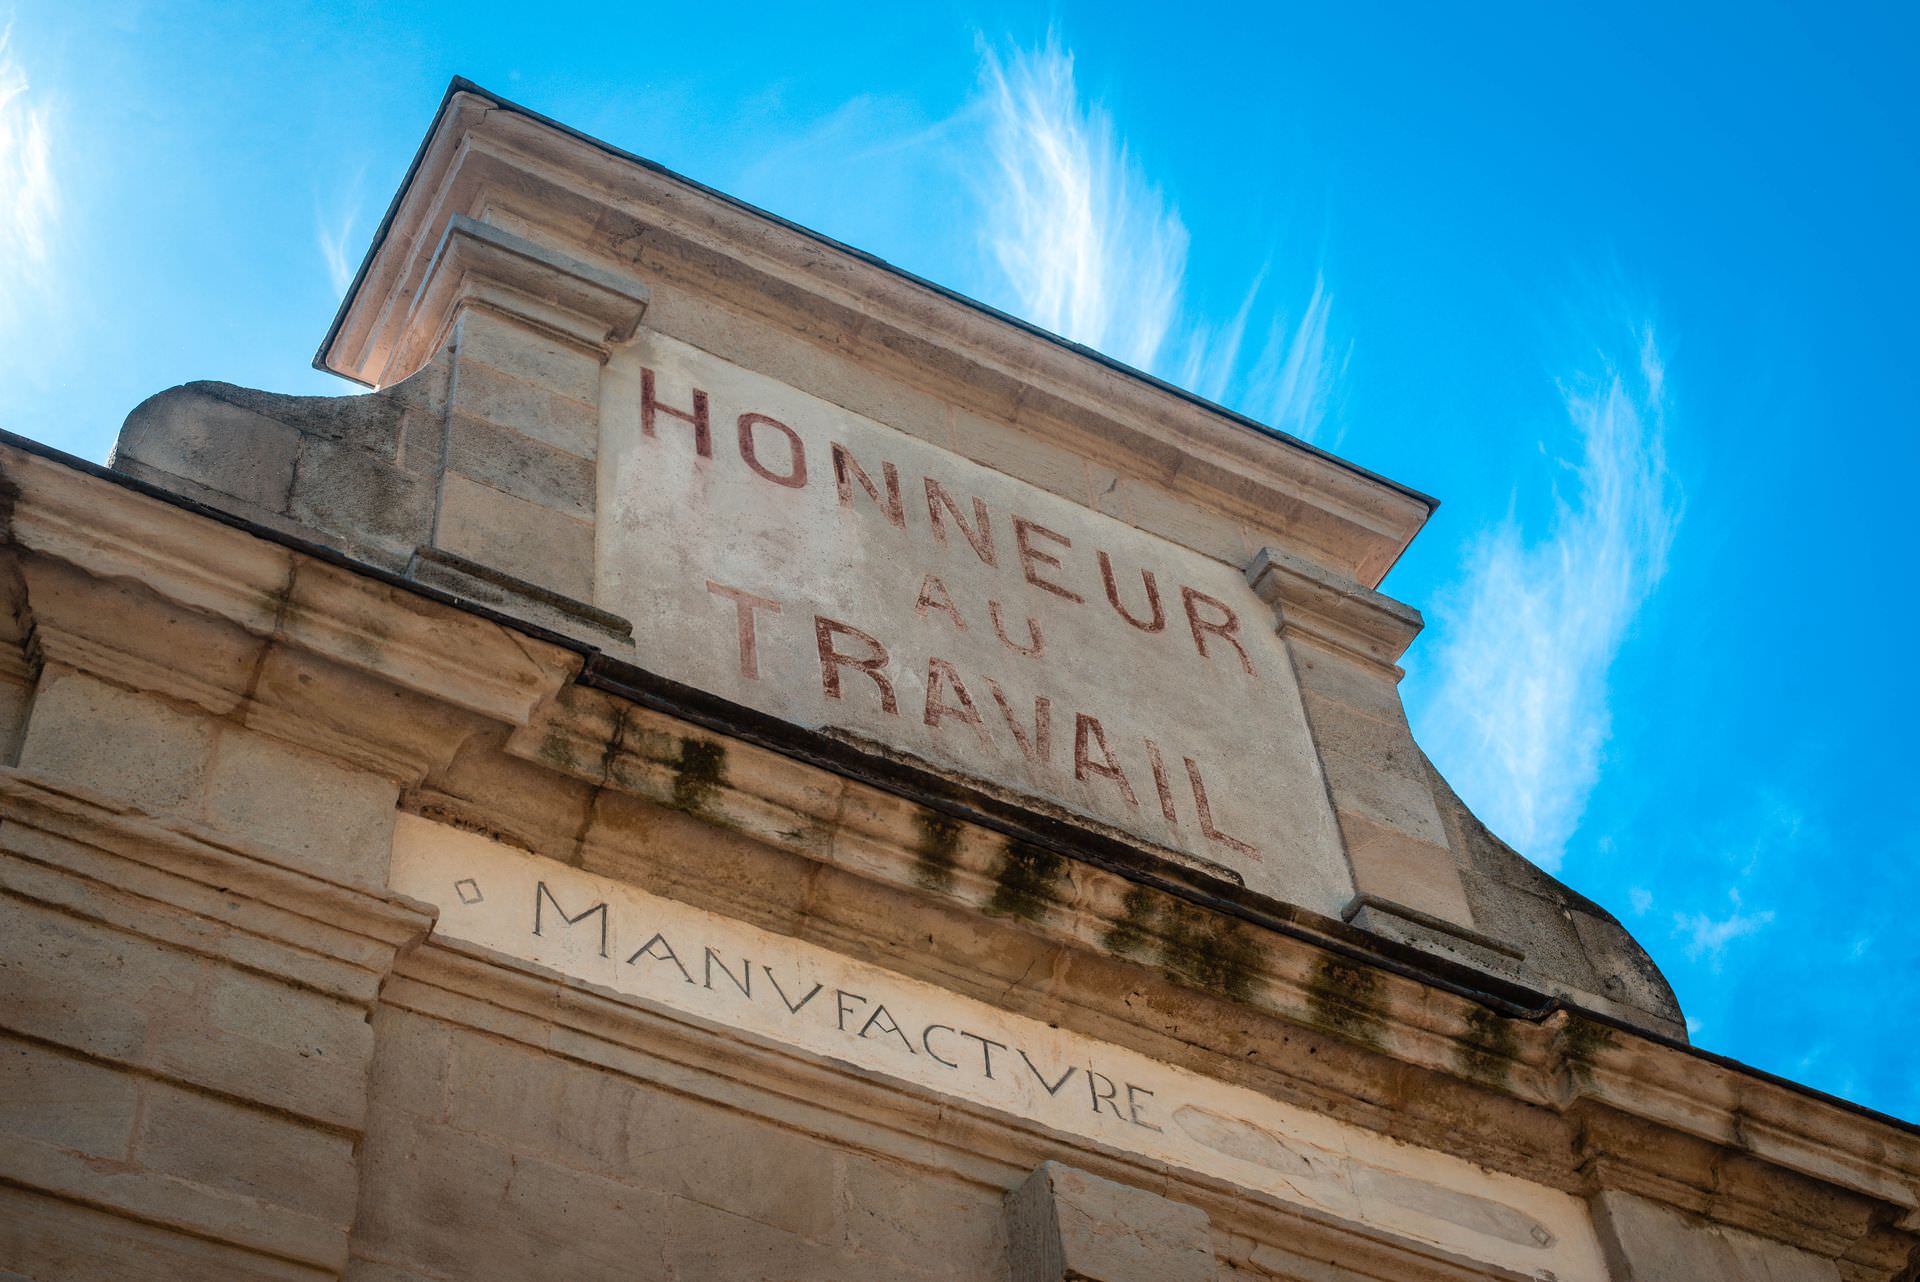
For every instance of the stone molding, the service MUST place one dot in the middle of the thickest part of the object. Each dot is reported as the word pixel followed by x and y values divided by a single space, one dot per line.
pixel 1337 612
pixel 304 598
pixel 477 264
pixel 333 936
pixel 189 892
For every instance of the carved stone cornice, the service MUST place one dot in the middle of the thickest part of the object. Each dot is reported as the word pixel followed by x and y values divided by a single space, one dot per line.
pixel 60 843
pixel 477 264
pixel 489 159
pixel 287 639
pixel 1335 611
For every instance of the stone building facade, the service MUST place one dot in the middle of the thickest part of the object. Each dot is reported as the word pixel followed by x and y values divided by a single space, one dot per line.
pixel 733 762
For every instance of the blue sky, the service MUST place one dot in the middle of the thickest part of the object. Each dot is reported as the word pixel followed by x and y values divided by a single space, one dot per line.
pixel 1627 286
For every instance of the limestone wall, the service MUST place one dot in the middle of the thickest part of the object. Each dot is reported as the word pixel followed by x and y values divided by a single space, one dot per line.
pixel 234 1049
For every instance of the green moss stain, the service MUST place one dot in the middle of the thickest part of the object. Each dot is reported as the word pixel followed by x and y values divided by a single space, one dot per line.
pixel 1208 950
pixel 556 749
pixel 1135 928
pixel 1581 1042
pixel 1344 997
pixel 1488 1049
pixel 937 850
pixel 1195 946
pixel 1024 882
pixel 698 770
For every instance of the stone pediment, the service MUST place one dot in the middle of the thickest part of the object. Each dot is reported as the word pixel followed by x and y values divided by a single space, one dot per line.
pixel 844 513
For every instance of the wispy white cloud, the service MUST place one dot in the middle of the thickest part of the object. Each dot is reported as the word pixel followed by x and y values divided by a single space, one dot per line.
pixel 29 192
pixel 1707 937
pixel 1642 899
pixel 334 234
pixel 1519 718
pixel 1093 250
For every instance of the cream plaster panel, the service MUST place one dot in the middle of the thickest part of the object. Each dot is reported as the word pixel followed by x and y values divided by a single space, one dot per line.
pixel 1183 729
pixel 611 935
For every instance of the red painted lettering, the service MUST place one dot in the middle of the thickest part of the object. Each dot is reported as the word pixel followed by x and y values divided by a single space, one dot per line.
pixel 1087 733
pixel 933 596
pixel 1160 784
pixel 1038 747
pixel 941 674
pixel 795 477
pixel 979 535
pixel 744 604
pixel 1159 619
pixel 1031 557
pixel 825 631
pixel 1036 642
pixel 847 470
pixel 1206 815
pixel 1225 626
pixel 650 407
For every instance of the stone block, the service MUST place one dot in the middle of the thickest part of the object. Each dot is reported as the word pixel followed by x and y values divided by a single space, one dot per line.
pixel 368 504
pixel 1185 522
pixel 1404 801
pixel 361 1269
pixel 255 1038
pixel 566 1222
pixel 1340 727
pixel 918 1218
pixel 85 732
pixel 49 1240
pixel 732 1162
pixel 194 433
pixel 412 1058
pixel 429 1199
pixel 1018 454
pixel 512 462
pixel 700 1242
pixel 1647 1242
pixel 1064 1225
pixel 16 701
pixel 525 353
pixel 226 1146
pixel 1367 688
pixel 561 422
pixel 1395 865
pixel 81 985
pixel 75 1103
pixel 122 631
pixel 334 819
pixel 531 542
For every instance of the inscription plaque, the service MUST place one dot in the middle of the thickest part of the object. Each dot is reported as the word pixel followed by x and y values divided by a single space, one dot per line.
pixel 602 932
pixel 847 575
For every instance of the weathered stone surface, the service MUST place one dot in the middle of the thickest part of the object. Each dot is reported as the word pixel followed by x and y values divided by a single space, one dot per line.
pixel 542 545
pixel 488 451
pixel 537 360
pixel 198 434
pixel 65 1099
pixel 248 1151
pixel 1569 942
pixel 1647 1242
pixel 329 815
pixel 54 1240
pixel 160 755
pixel 569 424
pixel 1065 1225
